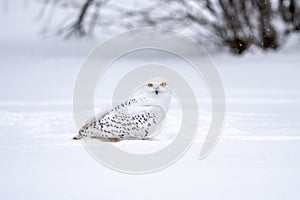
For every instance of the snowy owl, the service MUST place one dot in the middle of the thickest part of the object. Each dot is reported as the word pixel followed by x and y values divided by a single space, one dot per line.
pixel 140 117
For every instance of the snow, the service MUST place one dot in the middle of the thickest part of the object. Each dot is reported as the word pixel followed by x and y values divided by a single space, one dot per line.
pixel 256 158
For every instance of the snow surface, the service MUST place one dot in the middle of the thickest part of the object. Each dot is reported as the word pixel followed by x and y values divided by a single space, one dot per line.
pixel 256 158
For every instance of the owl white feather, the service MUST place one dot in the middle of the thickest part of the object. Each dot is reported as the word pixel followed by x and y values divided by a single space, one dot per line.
pixel 140 117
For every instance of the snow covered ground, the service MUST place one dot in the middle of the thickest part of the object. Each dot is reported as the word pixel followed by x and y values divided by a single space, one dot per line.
pixel 256 158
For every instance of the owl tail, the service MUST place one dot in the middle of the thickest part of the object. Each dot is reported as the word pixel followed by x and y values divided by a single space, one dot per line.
pixel 79 136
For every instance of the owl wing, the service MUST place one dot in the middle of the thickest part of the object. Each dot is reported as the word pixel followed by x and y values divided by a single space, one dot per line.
pixel 135 122
pixel 146 120
pixel 98 116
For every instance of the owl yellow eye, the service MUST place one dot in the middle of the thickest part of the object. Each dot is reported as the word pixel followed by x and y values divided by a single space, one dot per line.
pixel 163 84
pixel 150 85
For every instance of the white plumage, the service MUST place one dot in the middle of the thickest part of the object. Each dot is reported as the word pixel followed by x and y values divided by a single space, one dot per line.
pixel 140 117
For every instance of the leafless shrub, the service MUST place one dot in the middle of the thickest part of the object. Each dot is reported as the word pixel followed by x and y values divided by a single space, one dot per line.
pixel 236 24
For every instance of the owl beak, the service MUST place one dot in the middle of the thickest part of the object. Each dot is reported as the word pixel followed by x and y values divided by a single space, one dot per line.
pixel 156 92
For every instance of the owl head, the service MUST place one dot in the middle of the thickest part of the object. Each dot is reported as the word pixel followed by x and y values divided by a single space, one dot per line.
pixel 156 91
pixel 156 86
